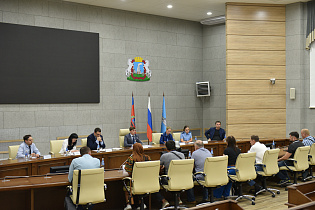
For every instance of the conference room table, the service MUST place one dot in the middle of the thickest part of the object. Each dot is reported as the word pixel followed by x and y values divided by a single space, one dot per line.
pixel 45 191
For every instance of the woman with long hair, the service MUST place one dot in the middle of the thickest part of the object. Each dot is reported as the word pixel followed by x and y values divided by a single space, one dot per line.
pixel 137 156
pixel 70 144
pixel 232 152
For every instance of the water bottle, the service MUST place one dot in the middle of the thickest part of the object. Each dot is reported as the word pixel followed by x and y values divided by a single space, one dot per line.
pixel 211 151
pixel 26 156
pixel 195 138
pixel 189 155
pixel 273 144
pixel 67 151
pixel 103 164
pixel 98 147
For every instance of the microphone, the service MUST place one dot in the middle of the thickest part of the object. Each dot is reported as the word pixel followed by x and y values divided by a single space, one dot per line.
pixel 121 167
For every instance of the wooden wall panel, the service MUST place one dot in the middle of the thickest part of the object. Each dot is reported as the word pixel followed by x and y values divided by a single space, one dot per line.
pixel 271 58
pixel 256 12
pixel 255 52
pixel 240 102
pixel 254 72
pixel 255 87
pixel 237 42
pixel 262 130
pixel 256 28
pixel 256 115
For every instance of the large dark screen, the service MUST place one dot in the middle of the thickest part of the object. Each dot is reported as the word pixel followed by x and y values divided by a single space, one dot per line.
pixel 44 65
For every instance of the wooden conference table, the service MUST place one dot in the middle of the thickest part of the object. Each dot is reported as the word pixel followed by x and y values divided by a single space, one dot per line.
pixel 38 192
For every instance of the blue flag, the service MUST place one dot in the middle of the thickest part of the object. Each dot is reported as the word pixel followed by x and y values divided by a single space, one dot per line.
pixel 163 124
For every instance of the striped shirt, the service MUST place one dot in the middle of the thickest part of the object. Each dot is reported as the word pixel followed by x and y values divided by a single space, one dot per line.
pixel 130 162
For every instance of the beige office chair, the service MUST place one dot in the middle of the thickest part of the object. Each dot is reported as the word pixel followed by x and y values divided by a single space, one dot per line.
pixel 270 168
pixel 84 142
pixel 122 134
pixel 179 178
pixel 13 151
pixel 156 138
pixel 311 162
pixel 300 161
pixel 144 180
pixel 245 171
pixel 176 136
pixel 55 146
pixel 91 189
pixel 214 173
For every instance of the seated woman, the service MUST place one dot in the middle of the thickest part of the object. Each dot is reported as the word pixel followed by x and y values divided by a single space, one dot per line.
pixel 232 151
pixel 70 144
pixel 137 156
pixel 186 136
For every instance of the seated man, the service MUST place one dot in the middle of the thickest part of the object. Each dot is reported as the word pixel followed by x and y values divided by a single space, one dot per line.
pixel 131 138
pixel 84 162
pixel 165 161
pixel 95 140
pixel 283 174
pixel 27 148
pixel 259 149
pixel 215 133
pixel 307 139
pixel 199 155
pixel 166 136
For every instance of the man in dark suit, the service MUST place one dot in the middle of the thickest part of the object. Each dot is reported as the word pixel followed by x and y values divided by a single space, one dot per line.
pixel 131 138
pixel 95 139
pixel 215 133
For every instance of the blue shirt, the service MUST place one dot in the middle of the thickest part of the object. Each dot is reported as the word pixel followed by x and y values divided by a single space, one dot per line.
pixel 185 136
pixel 164 138
pixel 308 141
pixel 24 148
pixel 199 157
pixel 84 162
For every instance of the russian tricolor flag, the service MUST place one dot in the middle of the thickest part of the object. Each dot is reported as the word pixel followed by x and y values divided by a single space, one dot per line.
pixel 149 125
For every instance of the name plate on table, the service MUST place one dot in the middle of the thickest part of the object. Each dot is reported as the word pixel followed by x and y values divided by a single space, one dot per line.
pixel 205 142
pixel 116 149
pixel 47 156
pixel 147 146
pixel 182 143
pixel 76 153
pixel 108 150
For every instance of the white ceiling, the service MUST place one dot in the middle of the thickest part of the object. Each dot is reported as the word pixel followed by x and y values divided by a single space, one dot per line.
pixel 194 10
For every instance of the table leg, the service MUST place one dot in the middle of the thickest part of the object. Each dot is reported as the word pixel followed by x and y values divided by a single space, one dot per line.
pixel 32 199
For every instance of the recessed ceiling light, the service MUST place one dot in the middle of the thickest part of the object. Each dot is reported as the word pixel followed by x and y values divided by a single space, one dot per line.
pixel 209 13
pixel 169 6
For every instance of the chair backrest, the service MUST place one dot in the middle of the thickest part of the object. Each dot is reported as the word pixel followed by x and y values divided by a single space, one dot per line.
pixel 145 177
pixel 55 146
pixel 13 151
pixel 180 175
pixel 312 153
pixel 91 188
pixel 122 134
pixel 301 157
pixel 84 142
pixel 176 136
pixel 156 137
pixel 215 169
pixel 270 162
pixel 245 166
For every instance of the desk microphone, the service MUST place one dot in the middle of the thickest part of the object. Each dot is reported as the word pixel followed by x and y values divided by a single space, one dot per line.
pixel 121 166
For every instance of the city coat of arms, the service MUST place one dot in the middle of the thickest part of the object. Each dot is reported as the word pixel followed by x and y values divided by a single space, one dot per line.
pixel 138 70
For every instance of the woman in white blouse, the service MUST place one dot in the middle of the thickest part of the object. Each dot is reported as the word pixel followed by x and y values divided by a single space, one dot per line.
pixel 70 143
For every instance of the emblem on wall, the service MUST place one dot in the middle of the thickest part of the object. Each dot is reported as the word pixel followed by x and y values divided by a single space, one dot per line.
pixel 138 70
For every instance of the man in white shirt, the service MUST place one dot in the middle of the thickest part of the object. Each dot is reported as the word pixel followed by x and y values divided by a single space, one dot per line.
pixel 259 148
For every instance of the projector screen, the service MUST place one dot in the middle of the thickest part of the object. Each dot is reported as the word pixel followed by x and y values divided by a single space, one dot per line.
pixel 44 65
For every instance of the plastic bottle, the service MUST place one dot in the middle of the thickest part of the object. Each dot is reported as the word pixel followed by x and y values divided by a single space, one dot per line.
pixel 103 164
pixel 273 144
pixel 195 138
pixel 67 151
pixel 26 156
pixel 98 147
pixel 189 155
pixel 211 151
